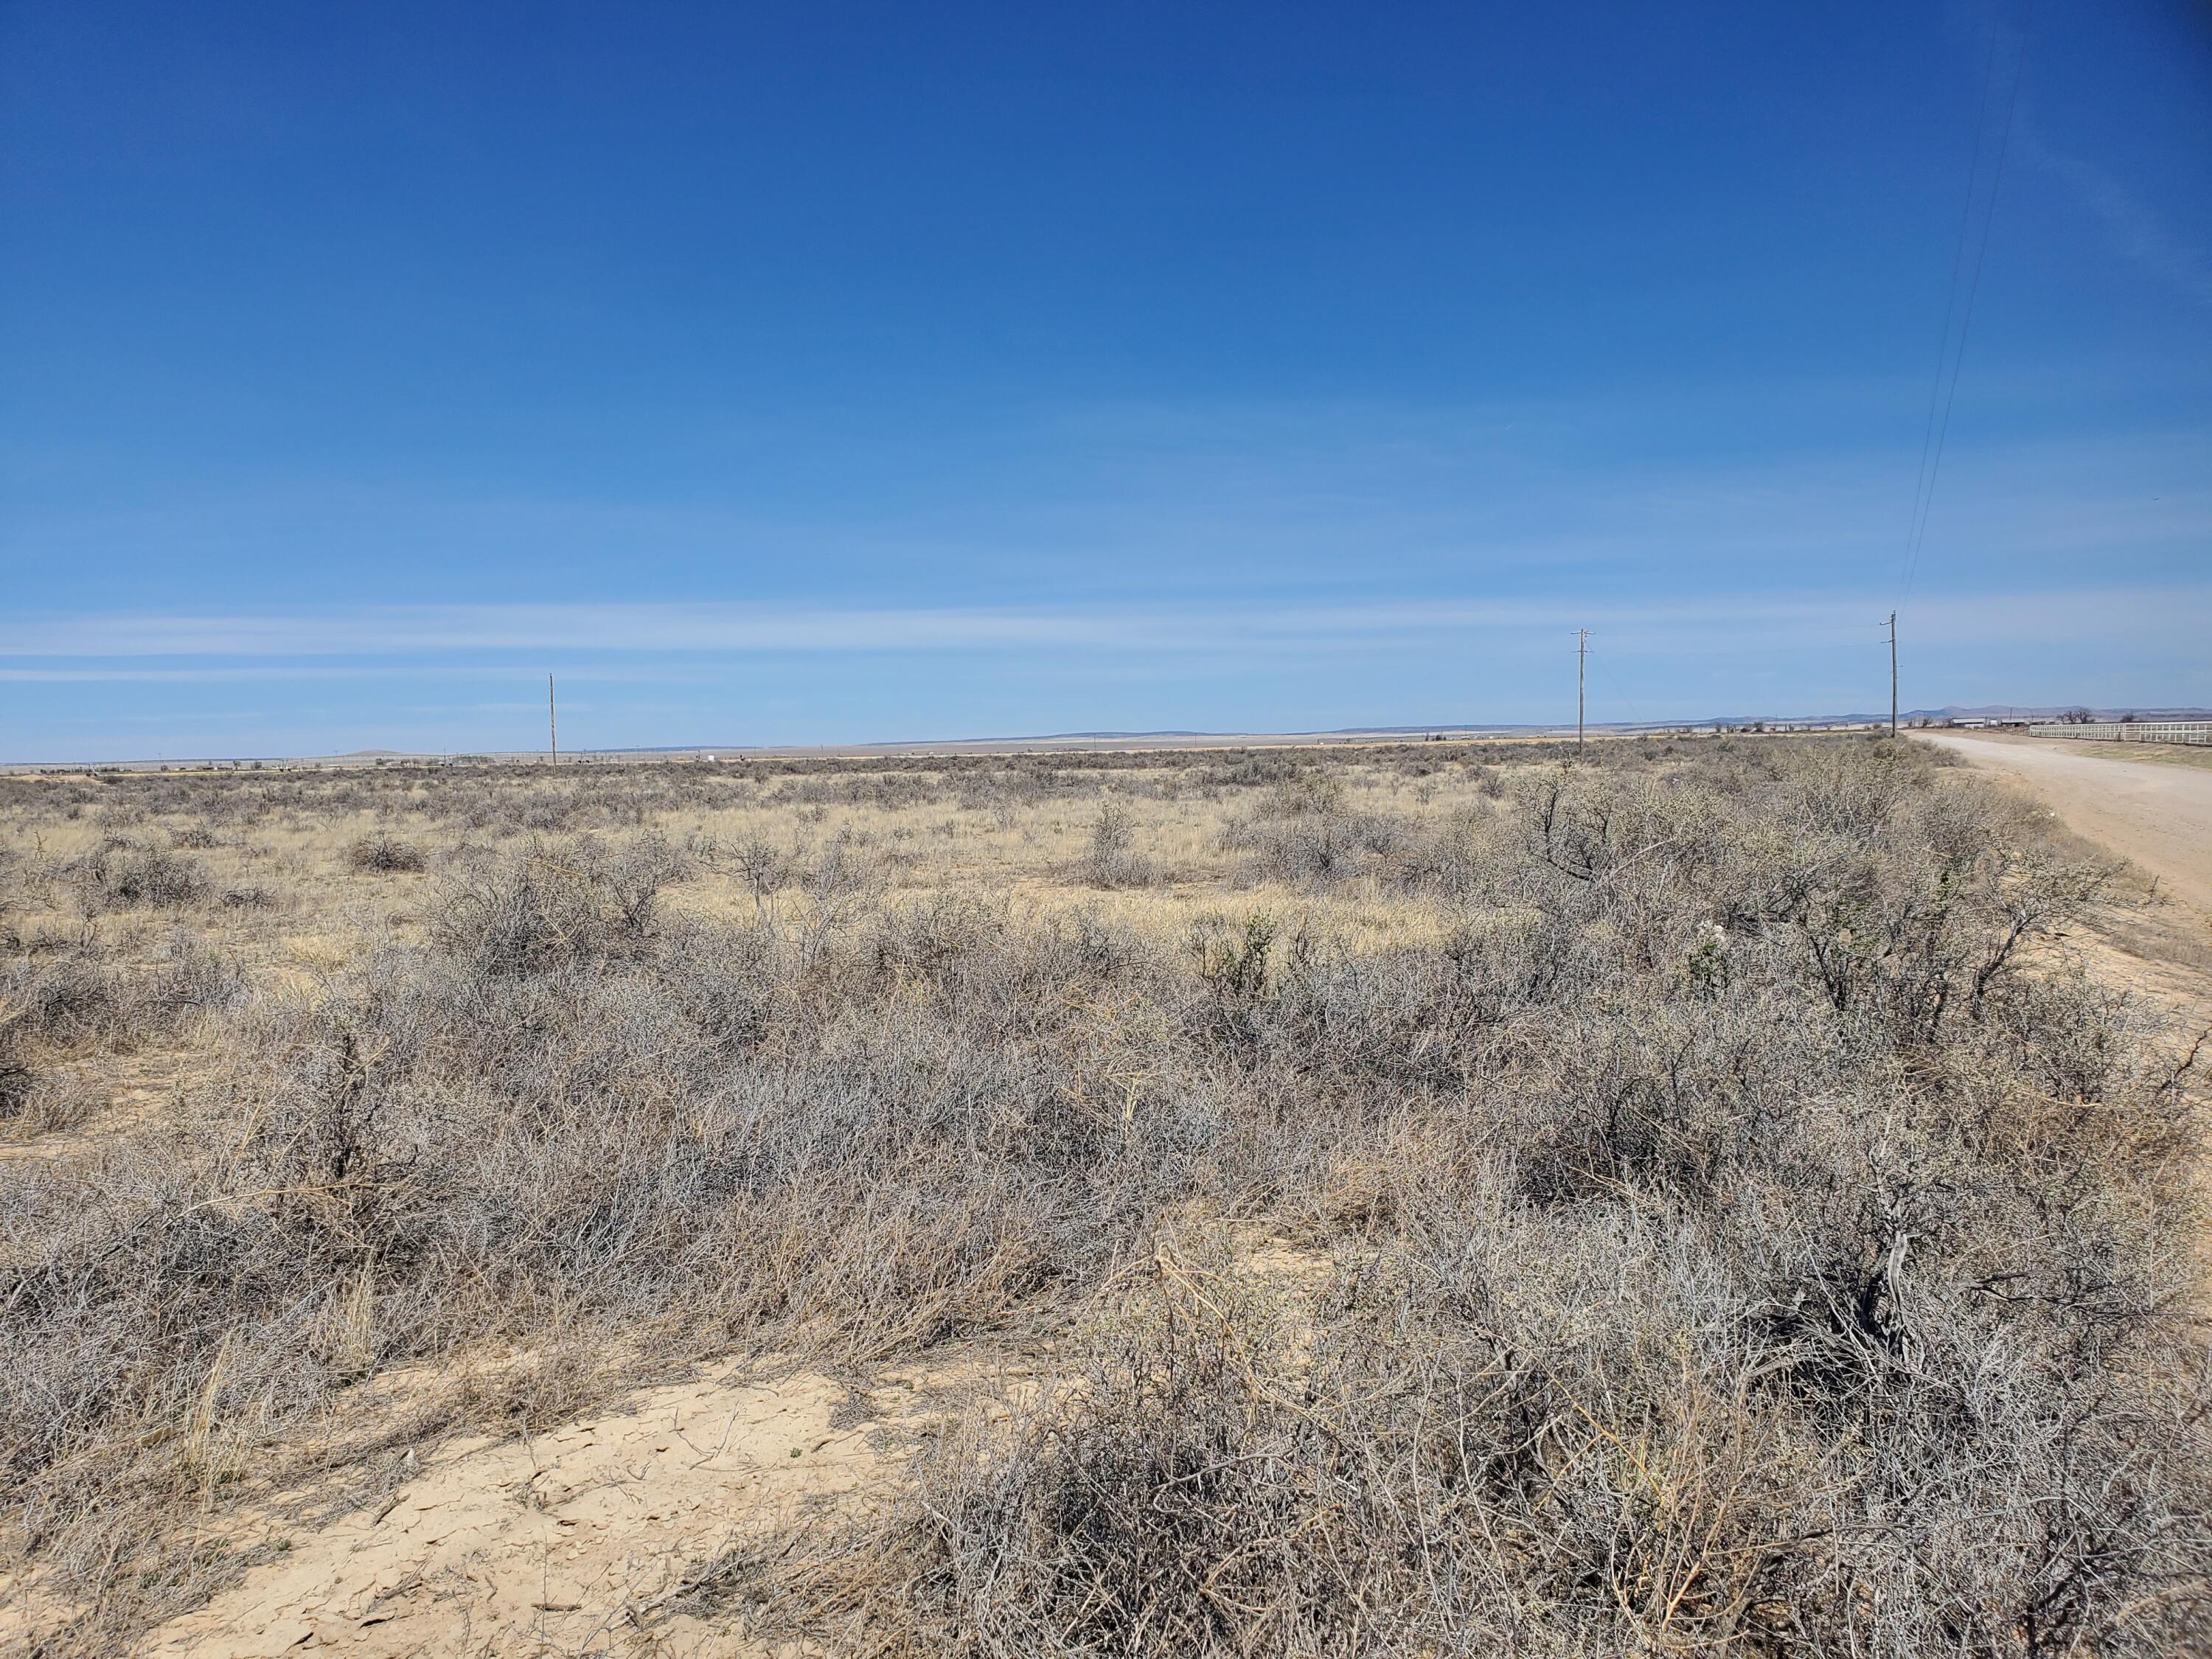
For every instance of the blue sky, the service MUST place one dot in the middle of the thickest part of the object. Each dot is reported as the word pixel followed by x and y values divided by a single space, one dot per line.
pixel 833 373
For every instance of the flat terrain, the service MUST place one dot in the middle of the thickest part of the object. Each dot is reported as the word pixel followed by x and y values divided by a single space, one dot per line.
pixel 1438 1197
pixel 1074 742
pixel 2158 815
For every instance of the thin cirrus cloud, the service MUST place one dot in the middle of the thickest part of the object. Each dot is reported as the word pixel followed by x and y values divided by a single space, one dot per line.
pixel 127 648
pixel 2135 229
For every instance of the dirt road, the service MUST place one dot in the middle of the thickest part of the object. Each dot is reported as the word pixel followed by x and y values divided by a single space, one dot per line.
pixel 2158 815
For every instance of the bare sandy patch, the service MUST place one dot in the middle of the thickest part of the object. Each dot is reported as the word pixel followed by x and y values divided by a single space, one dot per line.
pixel 2158 816
pixel 619 1533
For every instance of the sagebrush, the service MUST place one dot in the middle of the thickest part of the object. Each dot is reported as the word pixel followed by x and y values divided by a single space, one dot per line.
pixel 1728 1217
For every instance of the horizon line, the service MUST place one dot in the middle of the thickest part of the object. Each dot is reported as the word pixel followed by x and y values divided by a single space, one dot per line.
pixel 1444 730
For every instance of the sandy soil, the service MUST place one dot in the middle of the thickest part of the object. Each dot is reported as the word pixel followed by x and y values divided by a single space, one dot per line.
pixel 610 1535
pixel 2158 816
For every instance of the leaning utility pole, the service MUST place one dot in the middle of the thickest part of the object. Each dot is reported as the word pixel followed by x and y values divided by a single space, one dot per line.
pixel 1892 673
pixel 552 731
pixel 1582 651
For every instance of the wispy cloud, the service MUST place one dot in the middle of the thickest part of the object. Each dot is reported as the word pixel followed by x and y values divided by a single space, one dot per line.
pixel 2138 231
pixel 1254 569
pixel 352 643
pixel 1157 500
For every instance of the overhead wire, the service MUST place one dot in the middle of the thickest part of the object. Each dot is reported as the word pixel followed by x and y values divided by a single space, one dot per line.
pixel 1951 299
pixel 1931 455
pixel 1617 689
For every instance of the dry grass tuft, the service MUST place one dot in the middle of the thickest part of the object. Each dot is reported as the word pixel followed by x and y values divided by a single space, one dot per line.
pixel 386 854
pixel 1746 1227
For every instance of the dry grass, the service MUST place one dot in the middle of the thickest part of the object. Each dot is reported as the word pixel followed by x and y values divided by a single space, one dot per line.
pixel 1738 1225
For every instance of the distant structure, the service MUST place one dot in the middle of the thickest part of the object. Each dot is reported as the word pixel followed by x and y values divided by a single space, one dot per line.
pixel 2189 731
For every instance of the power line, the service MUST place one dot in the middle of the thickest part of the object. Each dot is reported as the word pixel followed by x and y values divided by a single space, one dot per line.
pixel 1892 673
pixel 1582 656
pixel 1951 299
pixel 1598 658
pixel 1923 499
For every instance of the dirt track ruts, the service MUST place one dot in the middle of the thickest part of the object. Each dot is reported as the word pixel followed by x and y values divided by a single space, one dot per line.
pixel 2158 815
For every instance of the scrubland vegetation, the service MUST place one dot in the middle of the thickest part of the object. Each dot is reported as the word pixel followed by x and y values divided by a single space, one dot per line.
pixel 1706 1205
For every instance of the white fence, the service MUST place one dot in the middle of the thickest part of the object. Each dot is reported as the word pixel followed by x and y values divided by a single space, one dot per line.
pixel 2132 730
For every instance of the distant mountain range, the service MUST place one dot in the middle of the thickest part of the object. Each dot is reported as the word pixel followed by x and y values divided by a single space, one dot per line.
pixel 1949 711
pixel 1458 728
pixel 2005 711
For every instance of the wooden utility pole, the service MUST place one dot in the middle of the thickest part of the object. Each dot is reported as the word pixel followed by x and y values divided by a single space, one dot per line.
pixel 1582 651
pixel 552 730
pixel 1892 673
